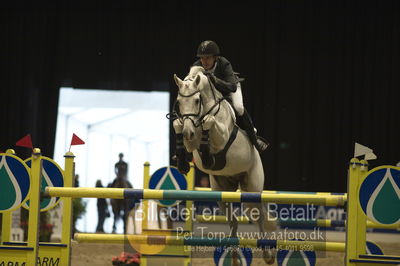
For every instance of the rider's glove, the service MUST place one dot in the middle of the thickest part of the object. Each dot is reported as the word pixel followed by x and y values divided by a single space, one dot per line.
pixel 221 85
pixel 211 76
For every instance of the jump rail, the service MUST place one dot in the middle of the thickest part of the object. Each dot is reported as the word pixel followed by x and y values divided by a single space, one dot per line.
pixel 292 222
pixel 123 193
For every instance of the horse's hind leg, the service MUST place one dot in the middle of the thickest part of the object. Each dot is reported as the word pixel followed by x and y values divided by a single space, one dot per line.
pixel 220 183
pixel 265 226
pixel 254 182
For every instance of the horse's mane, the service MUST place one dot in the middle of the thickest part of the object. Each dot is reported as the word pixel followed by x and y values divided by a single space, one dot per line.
pixel 194 70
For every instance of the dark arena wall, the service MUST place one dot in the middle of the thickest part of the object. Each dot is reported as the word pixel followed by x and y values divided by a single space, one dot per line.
pixel 320 75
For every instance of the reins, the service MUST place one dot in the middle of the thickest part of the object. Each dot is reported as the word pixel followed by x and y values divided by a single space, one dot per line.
pixel 175 114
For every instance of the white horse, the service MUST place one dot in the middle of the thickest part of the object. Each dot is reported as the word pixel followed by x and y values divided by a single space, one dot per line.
pixel 205 126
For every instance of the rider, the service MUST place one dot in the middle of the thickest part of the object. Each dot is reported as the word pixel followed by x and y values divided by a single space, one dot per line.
pixel 121 167
pixel 221 74
pixel 121 171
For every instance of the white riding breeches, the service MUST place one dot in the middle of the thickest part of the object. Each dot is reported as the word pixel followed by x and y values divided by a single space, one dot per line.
pixel 237 100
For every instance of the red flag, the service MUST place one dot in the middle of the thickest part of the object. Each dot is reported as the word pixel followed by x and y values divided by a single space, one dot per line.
pixel 25 142
pixel 76 140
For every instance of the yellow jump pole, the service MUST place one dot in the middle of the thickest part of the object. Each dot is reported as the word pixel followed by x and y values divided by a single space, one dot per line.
pixel 145 206
pixel 219 219
pixel 189 203
pixel 189 206
pixel 361 218
pixel 355 239
pixel 34 207
pixel 122 193
pixel 145 203
pixel 310 223
pixel 276 191
pixel 69 172
pixel 351 221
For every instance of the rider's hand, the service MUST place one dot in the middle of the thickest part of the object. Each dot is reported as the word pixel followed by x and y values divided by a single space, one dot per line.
pixel 211 76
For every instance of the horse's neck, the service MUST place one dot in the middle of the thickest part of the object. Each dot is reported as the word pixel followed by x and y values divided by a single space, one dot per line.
pixel 211 96
pixel 223 116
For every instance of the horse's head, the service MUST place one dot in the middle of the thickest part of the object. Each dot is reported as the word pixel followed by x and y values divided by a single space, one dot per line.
pixel 190 104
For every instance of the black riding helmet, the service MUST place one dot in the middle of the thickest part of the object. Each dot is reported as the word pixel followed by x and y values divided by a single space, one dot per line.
pixel 207 48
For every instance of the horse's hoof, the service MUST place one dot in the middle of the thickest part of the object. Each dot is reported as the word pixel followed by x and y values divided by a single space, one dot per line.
pixel 236 262
pixel 269 256
pixel 235 258
pixel 183 167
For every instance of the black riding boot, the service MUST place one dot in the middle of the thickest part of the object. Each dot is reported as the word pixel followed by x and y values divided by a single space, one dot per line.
pixel 245 123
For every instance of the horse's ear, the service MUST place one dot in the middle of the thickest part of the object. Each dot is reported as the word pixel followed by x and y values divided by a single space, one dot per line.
pixel 197 80
pixel 178 81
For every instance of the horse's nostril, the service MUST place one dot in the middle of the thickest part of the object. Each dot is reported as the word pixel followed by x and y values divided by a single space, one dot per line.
pixel 188 135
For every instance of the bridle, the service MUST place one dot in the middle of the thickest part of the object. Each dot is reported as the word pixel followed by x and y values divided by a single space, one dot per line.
pixel 196 118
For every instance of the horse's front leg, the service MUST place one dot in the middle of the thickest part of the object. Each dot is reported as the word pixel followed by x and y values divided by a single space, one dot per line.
pixel 218 132
pixel 126 215
pixel 182 163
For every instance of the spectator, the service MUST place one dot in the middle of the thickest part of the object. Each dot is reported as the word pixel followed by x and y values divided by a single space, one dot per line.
pixel 102 210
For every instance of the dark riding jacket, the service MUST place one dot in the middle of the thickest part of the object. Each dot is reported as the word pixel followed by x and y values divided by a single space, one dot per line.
pixel 223 77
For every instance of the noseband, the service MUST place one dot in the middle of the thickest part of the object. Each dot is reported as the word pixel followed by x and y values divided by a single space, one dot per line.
pixel 191 116
pixel 196 118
